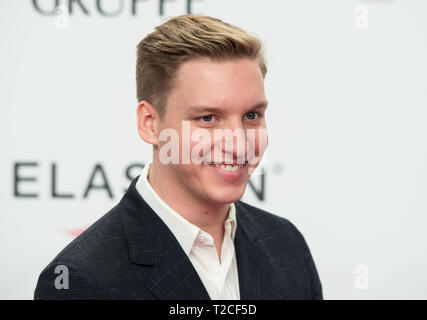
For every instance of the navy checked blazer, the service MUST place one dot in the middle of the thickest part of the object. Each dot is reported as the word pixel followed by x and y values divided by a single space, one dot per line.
pixel 129 253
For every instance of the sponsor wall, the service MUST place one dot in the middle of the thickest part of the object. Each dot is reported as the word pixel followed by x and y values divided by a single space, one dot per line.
pixel 347 155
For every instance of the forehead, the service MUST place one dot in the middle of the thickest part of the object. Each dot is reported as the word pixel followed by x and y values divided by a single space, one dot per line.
pixel 222 84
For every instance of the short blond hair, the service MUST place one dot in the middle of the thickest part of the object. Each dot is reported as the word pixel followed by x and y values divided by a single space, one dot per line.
pixel 183 38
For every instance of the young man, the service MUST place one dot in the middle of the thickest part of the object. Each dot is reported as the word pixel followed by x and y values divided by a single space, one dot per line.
pixel 180 231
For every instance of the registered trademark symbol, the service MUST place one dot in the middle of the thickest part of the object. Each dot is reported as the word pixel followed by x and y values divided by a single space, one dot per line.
pixel 278 168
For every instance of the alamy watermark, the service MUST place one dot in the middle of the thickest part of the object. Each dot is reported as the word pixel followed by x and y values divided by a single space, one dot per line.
pixel 361 281
pixel 361 21
pixel 218 146
pixel 62 281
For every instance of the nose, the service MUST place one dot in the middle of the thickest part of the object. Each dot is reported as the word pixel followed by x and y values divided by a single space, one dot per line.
pixel 239 146
pixel 234 142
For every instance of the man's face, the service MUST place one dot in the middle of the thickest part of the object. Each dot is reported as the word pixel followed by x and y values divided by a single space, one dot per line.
pixel 210 98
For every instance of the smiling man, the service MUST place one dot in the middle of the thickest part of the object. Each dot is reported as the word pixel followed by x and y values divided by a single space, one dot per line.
pixel 181 231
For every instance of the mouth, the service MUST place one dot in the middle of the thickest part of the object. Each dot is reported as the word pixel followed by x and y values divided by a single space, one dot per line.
pixel 228 167
pixel 229 172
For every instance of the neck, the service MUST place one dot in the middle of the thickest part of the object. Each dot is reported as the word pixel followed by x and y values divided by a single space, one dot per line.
pixel 206 215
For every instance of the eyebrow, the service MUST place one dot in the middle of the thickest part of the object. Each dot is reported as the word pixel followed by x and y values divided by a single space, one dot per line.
pixel 201 109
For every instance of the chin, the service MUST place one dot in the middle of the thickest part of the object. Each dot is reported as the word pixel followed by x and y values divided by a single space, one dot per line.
pixel 222 186
pixel 225 195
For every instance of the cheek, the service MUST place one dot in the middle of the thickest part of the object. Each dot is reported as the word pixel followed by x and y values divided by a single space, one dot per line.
pixel 257 141
pixel 201 146
pixel 262 140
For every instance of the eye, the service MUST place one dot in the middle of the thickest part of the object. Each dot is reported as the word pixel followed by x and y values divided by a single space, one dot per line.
pixel 207 118
pixel 252 115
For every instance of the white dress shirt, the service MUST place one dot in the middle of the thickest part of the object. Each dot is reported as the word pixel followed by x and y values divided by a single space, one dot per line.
pixel 219 278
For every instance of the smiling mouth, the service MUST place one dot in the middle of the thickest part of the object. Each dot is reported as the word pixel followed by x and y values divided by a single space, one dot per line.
pixel 227 167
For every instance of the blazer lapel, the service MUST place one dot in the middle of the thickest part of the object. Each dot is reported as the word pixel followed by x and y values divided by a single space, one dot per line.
pixel 174 277
pixel 152 243
pixel 247 255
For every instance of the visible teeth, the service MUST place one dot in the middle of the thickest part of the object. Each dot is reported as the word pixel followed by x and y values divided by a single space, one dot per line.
pixel 228 167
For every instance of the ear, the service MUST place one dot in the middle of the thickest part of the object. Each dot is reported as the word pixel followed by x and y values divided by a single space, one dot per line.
pixel 147 122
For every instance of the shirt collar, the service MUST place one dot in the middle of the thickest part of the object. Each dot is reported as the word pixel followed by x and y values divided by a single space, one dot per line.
pixel 231 221
pixel 183 230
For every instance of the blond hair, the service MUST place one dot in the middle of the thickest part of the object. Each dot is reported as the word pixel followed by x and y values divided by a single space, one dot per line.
pixel 183 38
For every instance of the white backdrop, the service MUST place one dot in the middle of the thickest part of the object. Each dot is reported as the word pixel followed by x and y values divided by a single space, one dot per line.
pixel 347 158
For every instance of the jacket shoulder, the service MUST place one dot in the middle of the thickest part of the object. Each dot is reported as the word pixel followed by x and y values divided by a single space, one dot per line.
pixel 267 222
pixel 283 242
pixel 78 265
